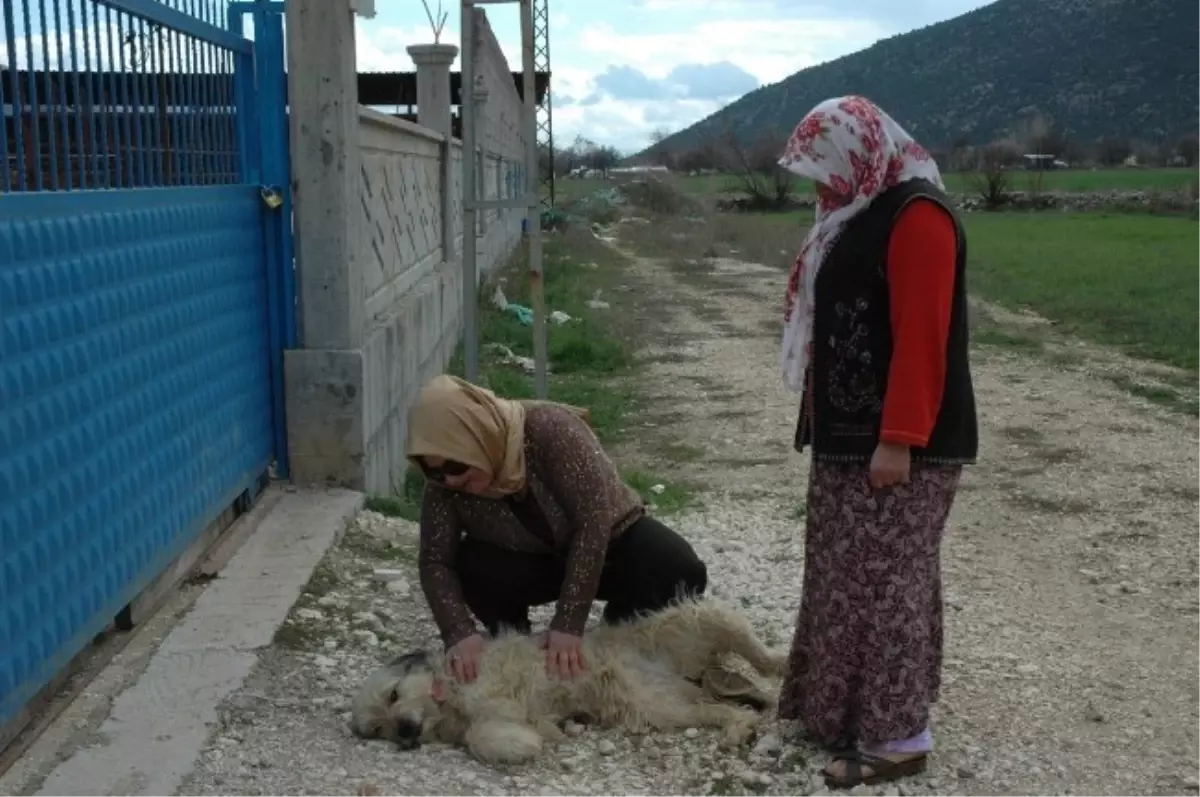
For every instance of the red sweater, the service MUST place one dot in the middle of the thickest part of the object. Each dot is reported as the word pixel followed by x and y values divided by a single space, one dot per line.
pixel 921 259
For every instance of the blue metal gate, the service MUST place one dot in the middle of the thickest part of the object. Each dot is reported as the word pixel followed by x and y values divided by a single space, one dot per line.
pixel 145 299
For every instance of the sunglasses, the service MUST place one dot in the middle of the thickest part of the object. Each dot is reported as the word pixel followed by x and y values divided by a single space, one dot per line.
pixel 447 468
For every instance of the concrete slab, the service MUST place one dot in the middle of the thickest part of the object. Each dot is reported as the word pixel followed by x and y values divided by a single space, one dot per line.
pixel 149 738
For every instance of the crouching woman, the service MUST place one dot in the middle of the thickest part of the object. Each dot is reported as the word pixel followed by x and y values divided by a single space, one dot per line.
pixel 522 507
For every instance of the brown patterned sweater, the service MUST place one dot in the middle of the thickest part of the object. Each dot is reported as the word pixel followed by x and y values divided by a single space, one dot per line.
pixel 579 491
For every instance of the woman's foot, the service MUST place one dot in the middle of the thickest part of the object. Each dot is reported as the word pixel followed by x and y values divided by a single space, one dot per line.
pixel 856 767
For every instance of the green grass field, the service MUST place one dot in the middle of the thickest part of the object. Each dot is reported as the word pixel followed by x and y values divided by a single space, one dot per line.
pixel 1123 280
pixel 1126 280
pixel 1065 180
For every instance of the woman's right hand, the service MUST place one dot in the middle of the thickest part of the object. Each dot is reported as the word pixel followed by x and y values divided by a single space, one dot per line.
pixel 462 658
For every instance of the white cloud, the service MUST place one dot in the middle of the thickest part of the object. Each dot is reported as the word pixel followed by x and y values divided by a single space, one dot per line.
pixel 770 49
pixel 746 33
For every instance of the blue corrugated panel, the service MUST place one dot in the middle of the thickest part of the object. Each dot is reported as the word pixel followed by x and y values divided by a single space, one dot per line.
pixel 135 401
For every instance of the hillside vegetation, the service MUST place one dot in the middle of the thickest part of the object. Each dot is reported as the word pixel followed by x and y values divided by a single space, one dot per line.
pixel 1094 69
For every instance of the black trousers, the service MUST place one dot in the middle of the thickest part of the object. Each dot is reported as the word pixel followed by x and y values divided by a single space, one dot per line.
pixel 645 569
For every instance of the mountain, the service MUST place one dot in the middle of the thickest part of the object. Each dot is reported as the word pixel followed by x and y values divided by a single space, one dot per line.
pixel 1092 69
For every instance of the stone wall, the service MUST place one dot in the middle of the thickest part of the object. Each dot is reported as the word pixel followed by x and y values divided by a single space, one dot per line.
pixel 393 201
pixel 1089 201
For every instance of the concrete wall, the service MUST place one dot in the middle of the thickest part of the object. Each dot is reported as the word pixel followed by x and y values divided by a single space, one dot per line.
pixel 387 292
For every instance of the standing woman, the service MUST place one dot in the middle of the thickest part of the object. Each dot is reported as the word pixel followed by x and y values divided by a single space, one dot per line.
pixel 522 507
pixel 875 340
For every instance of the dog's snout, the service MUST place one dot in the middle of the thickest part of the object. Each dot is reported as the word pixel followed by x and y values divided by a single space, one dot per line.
pixel 408 734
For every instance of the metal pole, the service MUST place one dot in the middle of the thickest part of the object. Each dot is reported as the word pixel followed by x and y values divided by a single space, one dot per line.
pixel 532 215
pixel 470 193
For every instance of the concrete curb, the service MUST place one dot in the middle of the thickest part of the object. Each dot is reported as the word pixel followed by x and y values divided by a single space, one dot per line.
pixel 155 728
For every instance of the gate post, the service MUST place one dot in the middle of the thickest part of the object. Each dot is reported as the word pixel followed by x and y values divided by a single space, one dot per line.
pixel 326 172
pixel 325 385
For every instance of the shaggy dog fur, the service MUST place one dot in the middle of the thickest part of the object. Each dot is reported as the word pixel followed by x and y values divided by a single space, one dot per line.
pixel 659 672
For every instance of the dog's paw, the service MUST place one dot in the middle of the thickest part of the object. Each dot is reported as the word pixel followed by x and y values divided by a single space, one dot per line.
pixel 551 732
pixel 741 732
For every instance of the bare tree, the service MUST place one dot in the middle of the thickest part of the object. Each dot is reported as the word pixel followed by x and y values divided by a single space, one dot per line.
pixel 706 155
pixel 991 176
pixel 659 155
pixel 1112 151
pixel 763 182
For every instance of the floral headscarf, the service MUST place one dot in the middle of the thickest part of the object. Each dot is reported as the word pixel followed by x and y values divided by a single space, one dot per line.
pixel 859 151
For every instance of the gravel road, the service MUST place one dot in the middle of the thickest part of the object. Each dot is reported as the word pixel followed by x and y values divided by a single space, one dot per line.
pixel 1070 564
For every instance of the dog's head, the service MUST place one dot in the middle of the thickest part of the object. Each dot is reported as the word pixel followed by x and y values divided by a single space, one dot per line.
pixel 399 701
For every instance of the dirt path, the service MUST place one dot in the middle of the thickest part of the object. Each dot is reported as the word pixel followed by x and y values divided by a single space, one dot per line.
pixel 1070 568
pixel 1070 562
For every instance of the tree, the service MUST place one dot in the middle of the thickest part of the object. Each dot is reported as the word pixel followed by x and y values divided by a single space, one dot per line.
pixel 1112 151
pixel 765 184
pixel 659 155
pixel 991 175
pixel 706 155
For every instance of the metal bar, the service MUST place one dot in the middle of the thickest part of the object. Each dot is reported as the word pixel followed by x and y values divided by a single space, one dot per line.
pixel 156 13
pixel 541 35
pixel 127 118
pixel 49 88
pixel 159 123
pixel 18 105
pixel 470 194
pixel 135 109
pixel 178 143
pixel 537 288
pixel 195 167
pixel 272 141
pixel 106 96
pixel 35 105
pixel 6 167
pixel 40 204
pixel 77 110
pixel 121 146
pixel 205 115
pixel 65 111
pixel 155 119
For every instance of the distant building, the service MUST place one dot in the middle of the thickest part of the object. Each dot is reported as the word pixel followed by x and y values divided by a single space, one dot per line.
pixel 1043 163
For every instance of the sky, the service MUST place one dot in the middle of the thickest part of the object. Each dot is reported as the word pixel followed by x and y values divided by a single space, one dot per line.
pixel 623 69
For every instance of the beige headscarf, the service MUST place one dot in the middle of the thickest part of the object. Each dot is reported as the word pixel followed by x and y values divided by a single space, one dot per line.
pixel 456 420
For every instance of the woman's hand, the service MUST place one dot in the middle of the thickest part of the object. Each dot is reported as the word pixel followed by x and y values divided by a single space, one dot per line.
pixel 462 658
pixel 564 654
pixel 889 465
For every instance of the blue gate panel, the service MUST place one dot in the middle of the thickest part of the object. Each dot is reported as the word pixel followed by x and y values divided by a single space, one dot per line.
pixel 135 401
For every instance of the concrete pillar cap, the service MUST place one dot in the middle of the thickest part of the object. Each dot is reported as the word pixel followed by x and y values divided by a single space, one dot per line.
pixel 433 54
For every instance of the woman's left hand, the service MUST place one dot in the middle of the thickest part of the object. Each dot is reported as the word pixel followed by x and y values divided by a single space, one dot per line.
pixel 564 654
pixel 889 465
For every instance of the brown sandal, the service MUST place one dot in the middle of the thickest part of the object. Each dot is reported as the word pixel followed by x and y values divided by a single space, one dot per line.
pixel 883 770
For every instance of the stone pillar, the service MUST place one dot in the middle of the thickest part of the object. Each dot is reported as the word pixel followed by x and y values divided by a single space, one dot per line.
pixel 324 378
pixel 433 84
pixel 434 112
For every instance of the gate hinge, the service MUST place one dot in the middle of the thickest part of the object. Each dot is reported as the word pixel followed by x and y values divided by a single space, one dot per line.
pixel 271 197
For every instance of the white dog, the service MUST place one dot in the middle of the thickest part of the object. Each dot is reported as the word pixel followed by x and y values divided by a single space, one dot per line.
pixel 661 671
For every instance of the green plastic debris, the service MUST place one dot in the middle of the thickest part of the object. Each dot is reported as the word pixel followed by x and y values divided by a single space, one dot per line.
pixel 523 313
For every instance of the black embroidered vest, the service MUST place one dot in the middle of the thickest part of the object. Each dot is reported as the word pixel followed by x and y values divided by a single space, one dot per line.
pixel 852 345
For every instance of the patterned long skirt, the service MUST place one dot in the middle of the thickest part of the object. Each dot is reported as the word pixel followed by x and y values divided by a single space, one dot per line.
pixel 866 659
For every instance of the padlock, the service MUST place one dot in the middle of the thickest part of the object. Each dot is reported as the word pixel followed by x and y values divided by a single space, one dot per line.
pixel 272 198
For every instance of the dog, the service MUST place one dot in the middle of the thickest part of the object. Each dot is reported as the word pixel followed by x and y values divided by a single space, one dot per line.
pixel 661 671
